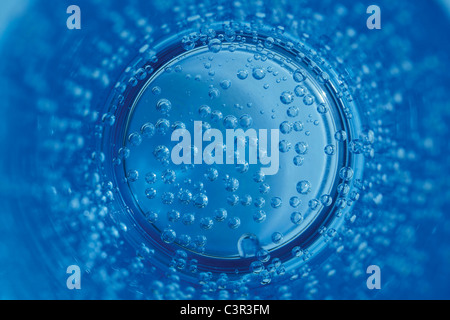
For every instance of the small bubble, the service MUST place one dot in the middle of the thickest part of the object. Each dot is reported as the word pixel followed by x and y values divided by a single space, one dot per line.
pixel 167 198
pixel 148 130
pixel 230 122
pixel 264 188
pixel 187 43
pixel 220 214
pixel 301 147
pixel 277 237
pixel 259 176
pixel 215 45
pixel 346 173
pixel 163 106
pixel 259 216
pixel 340 135
pixel 162 126
pixel 297 251
pixel 173 215
pixel 246 200
pixel 294 201
pixel 200 200
pixel 258 73
pixel 168 176
pixel 256 267
pixel 284 146
pixel 232 200
pixel 263 255
pixel 322 108
pixel 268 43
pixel 356 146
pixel 135 139
pixel 296 217
pixel 298 126
pixel 108 118
pixel 185 196
pixel 285 127
pixel 206 223
pixel 308 99
pixel 242 74
pixel 216 116
pixel 150 193
pixel 232 184
pixel 168 235
pixel 303 187
pixel 204 111
pixel 313 204
pixel 343 189
pixel 156 90
pixel 200 241
pixel 234 223
pixel 276 202
pixel 214 93
pixel 259 202
pixel 329 150
pixel 225 84
pixel 246 121
pixel 292 112
pixel 152 216
pixel 298 161
pixel 161 153
pixel 188 219
pixel 123 153
pixel 287 97
pixel 212 174
pixel 326 200
pixel 132 175
pixel 299 75
pixel 300 91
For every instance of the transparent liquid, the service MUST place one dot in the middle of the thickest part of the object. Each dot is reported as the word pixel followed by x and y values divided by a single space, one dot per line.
pixel 378 151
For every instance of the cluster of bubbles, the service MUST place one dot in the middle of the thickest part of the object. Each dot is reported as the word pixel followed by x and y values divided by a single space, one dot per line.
pixel 78 197
pixel 191 198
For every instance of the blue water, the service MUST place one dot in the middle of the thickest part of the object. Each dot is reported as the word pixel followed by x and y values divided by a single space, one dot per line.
pixel 87 178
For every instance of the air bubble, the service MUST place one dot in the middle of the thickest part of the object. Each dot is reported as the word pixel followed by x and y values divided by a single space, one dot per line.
pixel 276 202
pixel 308 100
pixel 135 139
pixel 259 216
pixel 258 73
pixel 287 97
pixel 168 235
pixel 285 127
pixel 150 193
pixel 299 75
pixel 248 245
pixel 163 106
pixel 215 45
pixel 300 91
pixel 329 149
pixel 242 74
pixel 303 187
pixel 301 147
pixel 234 223
pixel 296 217
pixel 225 84
pixel 277 237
